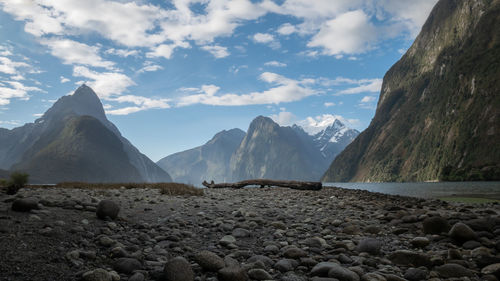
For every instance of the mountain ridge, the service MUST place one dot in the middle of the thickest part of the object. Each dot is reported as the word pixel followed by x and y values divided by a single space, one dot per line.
pixel 23 144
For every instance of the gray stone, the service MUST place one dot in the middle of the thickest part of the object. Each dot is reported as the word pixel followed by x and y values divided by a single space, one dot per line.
pixel 232 273
pixel 259 274
pixel 370 245
pixel 107 208
pixel 322 268
pixel 266 261
pixel 420 242
pixel 493 269
pixel 373 276
pixel 240 232
pixel 462 232
pixel 284 265
pixel 178 269
pixel 294 253
pixel 342 273
pixel 405 257
pixel 137 277
pixel 24 205
pixel 415 274
pixel 127 265
pixel 435 225
pixel 451 270
pixel 97 275
pixel 209 261
pixel 226 240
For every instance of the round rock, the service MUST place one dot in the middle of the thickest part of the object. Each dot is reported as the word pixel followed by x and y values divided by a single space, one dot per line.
pixel 178 269
pixel 370 245
pixel 343 273
pixel 97 275
pixel 462 232
pixel 209 261
pixel 232 273
pixel 24 205
pixel 107 208
pixel 452 270
pixel 435 225
pixel 126 265
pixel 259 274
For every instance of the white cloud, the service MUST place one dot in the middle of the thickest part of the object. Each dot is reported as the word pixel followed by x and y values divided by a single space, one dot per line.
pixel 105 84
pixel 72 52
pixel 263 38
pixel 141 103
pixel 329 104
pixel 166 50
pixel 235 69
pixel 14 89
pixel 286 29
pixel 266 38
pixel 349 33
pixel 275 64
pixel 64 79
pixel 149 66
pixel 10 123
pixel 314 125
pixel 372 86
pixel 8 66
pixel 367 99
pixel 217 51
pixel 122 52
pixel 284 118
pixel 284 90
pixel 137 24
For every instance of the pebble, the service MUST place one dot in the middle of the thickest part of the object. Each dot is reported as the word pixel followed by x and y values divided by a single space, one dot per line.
pixel 126 265
pixel 97 275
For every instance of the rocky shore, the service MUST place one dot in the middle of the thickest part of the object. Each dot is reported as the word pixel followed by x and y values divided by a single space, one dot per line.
pixel 248 234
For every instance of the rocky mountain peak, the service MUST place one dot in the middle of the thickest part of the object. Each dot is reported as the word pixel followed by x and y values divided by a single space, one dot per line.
pixel 84 101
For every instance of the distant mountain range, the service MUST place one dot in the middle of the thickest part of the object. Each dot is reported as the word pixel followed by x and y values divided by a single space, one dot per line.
pixel 438 113
pixel 267 150
pixel 74 141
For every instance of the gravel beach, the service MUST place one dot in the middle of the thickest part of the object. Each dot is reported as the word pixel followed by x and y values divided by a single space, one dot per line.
pixel 247 234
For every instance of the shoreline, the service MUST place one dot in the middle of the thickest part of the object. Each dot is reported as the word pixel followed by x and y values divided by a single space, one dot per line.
pixel 276 233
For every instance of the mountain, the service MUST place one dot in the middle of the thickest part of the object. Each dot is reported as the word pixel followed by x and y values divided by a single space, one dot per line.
pixel 438 113
pixel 267 150
pixel 207 162
pixel 274 152
pixel 74 140
pixel 331 140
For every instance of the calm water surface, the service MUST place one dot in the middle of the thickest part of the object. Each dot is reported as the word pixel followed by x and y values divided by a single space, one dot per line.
pixel 489 190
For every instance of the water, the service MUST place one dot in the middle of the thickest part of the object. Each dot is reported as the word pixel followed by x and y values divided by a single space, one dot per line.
pixel 490 190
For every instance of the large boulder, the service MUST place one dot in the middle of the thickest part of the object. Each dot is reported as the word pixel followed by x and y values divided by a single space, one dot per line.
pixel 107 208
pixel 178 269
pixel 462 232
pixel 24 205
pixel 435 225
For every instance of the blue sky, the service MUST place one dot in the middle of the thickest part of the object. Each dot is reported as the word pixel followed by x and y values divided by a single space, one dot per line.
pixel 171 74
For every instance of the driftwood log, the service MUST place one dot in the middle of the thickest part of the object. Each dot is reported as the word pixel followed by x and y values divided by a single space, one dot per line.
pixel 301 185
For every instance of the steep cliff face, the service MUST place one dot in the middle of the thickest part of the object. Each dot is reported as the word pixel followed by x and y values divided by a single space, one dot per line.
pixel 438 112
pixel 207 162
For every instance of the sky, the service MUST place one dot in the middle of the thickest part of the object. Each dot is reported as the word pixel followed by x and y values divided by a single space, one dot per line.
pixel 171 74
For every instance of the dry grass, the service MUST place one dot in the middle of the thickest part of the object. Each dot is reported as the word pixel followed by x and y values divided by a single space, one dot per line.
pixel 166 188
